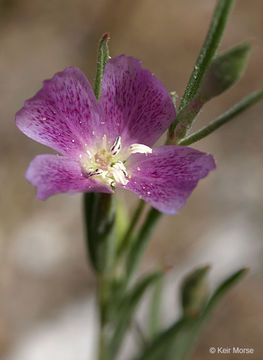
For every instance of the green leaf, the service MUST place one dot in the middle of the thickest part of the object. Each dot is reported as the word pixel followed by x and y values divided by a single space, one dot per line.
pixel 224 71
pixel 212 41
pixel 206 55
pixel 221 291
pixel 224 118
pixel 176 342
pixel 155 308
pixel 194 291
pixel 99 212
pixel 126 310
pixel 102 59
pixel 160 347
pixel 187 338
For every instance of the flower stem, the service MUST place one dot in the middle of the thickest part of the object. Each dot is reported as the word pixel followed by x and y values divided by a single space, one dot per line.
pixel 100 222
pixel 128 235
pixel 206 55
pixel 141 241
pixel 102 296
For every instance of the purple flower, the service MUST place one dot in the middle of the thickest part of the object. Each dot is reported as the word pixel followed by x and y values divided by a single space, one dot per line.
pixel 108 144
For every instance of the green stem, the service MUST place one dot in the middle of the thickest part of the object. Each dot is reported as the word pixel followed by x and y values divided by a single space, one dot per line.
pixel 99 222
pixel 212 41
pixel 224 118
pixel 127 236
pixel 141 241
pixel 102 295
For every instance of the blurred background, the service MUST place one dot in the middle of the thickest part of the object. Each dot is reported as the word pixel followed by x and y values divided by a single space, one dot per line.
pixel 46 287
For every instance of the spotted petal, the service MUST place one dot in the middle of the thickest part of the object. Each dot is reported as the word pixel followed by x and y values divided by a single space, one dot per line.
pixel 137 106
pixel 52 174
pixel 63 115
pixel 168 176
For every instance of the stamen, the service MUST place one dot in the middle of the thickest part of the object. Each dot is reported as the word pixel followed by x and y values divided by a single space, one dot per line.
pixel 104 164
pixel 139 148
pixel 119 173
pixel 121 166
pixel 97 172
pixel 89 154
pixel 116 147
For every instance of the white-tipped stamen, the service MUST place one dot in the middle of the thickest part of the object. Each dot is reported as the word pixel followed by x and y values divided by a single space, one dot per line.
pixel 104 162
pixel 116 147
pixel 139 148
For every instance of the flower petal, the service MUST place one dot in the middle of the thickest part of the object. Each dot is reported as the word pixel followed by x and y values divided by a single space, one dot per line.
pixel 167 177
pixel 52 174
pixel 63 115
pixel 137 106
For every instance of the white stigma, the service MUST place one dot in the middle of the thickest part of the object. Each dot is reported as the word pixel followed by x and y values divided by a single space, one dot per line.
pixel 139 148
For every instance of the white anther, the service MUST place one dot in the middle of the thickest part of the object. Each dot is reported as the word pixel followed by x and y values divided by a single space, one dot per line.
pixel 139 148
pixel 116 147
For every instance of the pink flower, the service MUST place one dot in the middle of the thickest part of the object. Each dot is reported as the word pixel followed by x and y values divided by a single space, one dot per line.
pixel 108 144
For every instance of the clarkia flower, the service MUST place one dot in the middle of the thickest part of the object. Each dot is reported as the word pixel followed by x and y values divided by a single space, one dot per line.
pixel 108 144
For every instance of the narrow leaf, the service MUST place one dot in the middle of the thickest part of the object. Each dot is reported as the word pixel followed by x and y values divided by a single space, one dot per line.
pixel 102 59
pixel 212 41
pixel 176 342
pixel 224 118
pixel 224 71
pixel 160 346
pixel 155 308
pixel 187 338
pixel 194 291
pixel 126 311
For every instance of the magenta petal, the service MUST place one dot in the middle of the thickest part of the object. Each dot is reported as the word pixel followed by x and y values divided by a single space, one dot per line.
pixel 167 177
pixel 52 174
pixel 137 106
pixel 63 115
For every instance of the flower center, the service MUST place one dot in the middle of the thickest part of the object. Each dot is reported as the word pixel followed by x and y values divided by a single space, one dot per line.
pixel 107 162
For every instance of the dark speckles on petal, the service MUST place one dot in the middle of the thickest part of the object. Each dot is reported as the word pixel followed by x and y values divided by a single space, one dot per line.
pixel 64 109
pixel 168 175
pixel 135 102
pixel 52 174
